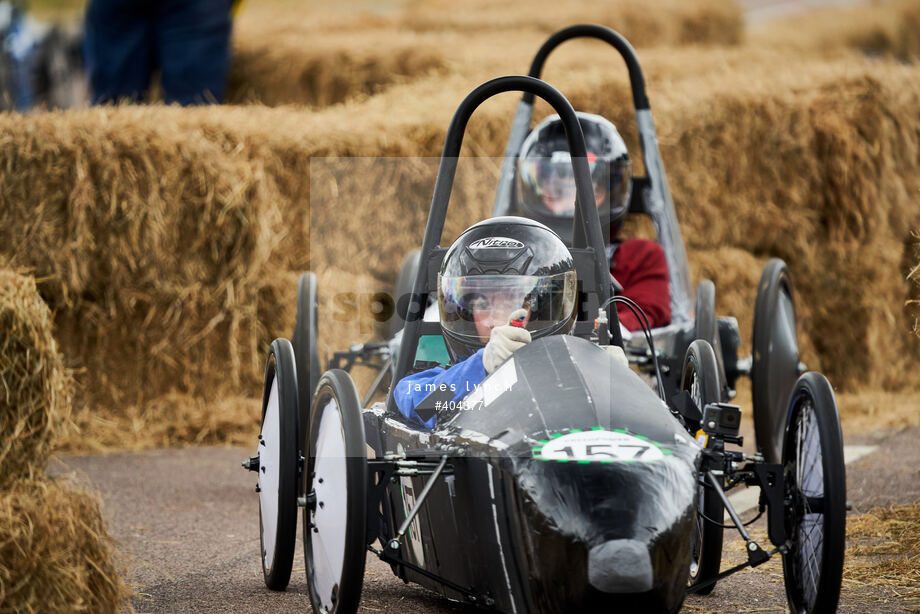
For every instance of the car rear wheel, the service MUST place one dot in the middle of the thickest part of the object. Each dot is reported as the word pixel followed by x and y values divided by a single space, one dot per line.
pixel 776 357
pixel 705 325
pixel 401 292
pixel 700 377
pixel 815 510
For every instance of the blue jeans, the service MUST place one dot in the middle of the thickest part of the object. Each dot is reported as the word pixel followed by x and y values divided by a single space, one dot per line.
pixel 188 41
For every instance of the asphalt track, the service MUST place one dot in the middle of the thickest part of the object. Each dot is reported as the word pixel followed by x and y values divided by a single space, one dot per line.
pixel 187 522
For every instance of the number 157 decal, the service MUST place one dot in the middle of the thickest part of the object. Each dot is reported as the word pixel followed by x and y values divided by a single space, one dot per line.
pixel 599 446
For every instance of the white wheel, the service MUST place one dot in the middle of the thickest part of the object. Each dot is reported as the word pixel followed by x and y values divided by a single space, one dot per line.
pixel 278 466
pixel 336 483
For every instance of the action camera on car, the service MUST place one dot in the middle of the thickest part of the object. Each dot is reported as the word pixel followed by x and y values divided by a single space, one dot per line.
pixel 721 419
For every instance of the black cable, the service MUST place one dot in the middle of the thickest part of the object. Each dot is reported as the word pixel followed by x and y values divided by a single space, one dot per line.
pixel 719 524
pixel 646 329
pixel 729 526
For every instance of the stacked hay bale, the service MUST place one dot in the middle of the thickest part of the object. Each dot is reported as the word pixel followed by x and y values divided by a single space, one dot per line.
pixel 674 22
pixel 889 28
pixel 288 65
pixel 172 265
pixel 316 58
pixel 897 33
pixel 825 178
pixel 55 554
pixel 913 303
pixel 169 241
pixel 153 256
pixel 34 401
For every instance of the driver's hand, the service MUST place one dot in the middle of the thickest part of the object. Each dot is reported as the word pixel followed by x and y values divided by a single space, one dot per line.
pixel 503 342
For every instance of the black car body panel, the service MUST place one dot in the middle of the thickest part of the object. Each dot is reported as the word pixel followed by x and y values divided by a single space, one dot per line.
pixel 572 487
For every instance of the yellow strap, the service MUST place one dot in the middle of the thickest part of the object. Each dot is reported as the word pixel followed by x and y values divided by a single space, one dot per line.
pixel 702 438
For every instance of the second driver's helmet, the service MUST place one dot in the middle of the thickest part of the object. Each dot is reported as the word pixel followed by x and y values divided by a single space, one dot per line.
pixel 545 185
pixel 498 267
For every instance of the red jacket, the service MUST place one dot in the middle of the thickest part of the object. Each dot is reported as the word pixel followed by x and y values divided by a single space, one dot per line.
pixel 639 265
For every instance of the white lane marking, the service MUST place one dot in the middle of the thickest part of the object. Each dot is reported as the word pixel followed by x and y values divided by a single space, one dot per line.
pixel 851 454
pixel 742 502
pixel 747 499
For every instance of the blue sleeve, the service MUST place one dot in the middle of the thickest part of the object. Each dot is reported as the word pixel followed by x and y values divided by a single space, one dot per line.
pixel 461 378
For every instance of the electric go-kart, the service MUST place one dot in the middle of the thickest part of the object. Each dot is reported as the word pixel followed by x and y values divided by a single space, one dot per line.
pixel 562 483
pixel 774 364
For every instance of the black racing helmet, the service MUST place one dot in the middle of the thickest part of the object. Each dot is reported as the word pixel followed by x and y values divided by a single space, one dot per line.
pixel 545 181
pixel 498 267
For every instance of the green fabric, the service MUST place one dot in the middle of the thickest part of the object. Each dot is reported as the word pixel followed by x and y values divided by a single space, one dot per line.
pixel 431 348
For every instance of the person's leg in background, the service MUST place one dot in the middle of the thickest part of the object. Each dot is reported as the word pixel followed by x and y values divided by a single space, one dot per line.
pixel 118 49
pixel 193 47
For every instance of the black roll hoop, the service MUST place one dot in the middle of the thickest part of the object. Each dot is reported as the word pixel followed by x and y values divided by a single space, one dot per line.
pixel 585 233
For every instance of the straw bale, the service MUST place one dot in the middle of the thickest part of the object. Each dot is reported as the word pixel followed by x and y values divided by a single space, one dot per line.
pixel 823 177
pixel 174 418
pixel 166 421
pixel 169 240
pixel 390 199
pixel 913 302
pixel 34 386
pixel 55 553
pixel 153 256
pixel 288 65
pixel 323 56
pixel 672 21
pixel 901 41
pixel 882 551
pixel 884 27
pixel 708 21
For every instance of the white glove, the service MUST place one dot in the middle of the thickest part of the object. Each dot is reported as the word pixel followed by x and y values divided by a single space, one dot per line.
pixel 503 342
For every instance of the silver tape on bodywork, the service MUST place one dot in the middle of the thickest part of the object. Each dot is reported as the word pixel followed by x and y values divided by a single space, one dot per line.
pixel 620 566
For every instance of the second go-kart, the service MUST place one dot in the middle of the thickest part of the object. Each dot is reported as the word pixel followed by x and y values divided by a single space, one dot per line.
pixel 562 483
pixel 774 364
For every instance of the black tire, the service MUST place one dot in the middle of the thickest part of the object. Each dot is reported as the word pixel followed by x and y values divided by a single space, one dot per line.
pixel 306 351
pixel 336 480
pixel 815 482
pixel 278 460
pixel 776 357
pixel 705 326
pixel 700 377
pixel 403 290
